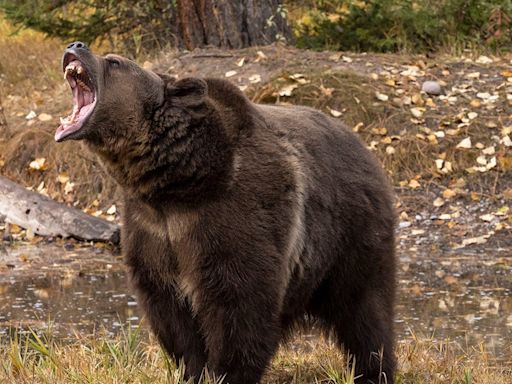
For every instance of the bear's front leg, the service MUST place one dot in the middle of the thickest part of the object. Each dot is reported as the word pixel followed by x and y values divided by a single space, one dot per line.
pixel 150 260
pixel 239 315
pixel 172 321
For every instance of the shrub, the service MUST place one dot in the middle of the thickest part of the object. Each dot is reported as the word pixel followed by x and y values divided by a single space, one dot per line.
pixel 395 25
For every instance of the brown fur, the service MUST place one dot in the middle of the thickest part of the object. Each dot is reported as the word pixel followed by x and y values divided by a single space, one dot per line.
pixel 241 220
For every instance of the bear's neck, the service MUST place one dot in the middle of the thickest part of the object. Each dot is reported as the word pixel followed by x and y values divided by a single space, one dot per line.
pixel 185 157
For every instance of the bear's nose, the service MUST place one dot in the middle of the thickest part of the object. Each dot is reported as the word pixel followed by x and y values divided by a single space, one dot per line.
pixel 77 44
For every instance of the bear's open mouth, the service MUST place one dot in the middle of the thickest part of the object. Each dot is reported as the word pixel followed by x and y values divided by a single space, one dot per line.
pixel 84 98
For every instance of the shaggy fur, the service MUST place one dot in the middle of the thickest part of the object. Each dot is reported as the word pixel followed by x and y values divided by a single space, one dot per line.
pixel 241 220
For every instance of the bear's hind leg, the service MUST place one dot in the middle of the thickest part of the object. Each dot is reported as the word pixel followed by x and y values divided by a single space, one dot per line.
pixel 365 330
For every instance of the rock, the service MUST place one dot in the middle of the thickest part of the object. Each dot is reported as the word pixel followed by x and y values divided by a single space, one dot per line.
pixel 432 88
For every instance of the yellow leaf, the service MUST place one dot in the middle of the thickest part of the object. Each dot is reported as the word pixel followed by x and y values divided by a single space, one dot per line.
pixel 414 184
pixel 63 178
pixel 449 193
pixel 475 103
pixel 380 131
pixel 38 164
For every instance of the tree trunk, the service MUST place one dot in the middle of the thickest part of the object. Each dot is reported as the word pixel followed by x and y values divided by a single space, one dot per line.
pixel 46 217
pixel 231 23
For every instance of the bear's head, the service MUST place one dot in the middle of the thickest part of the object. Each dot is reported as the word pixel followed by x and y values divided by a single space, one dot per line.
pixel 114 98
pixel 154 133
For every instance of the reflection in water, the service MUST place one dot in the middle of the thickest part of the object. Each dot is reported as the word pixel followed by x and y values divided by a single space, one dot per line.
pixel 80 290
pixel 466 298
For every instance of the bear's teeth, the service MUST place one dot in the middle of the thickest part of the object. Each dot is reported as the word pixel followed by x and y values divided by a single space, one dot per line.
pixel 83 85
pixel 79 70
pixel 64 121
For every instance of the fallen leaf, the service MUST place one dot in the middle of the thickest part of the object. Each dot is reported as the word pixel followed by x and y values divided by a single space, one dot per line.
pixel 449 193
pixel 380 131
pixel 288 89
pixel 381 96
pixel 240 62
pixel 414 184
pixel 44 117
pixel 39 164
pixel 484 60
pixel 254 79
pixel 439 202
pixel 68 188
pixel 502 211
pixel 326 91
pixel 487 217
pixel 483 95
pixel 230 73
pixel 465 143
pixel 417 112
pixel 474 240
pixel 475 103
pixel 260 56
pixel 63 178
pixel 111 210
pixel 334 112
pixel 31 115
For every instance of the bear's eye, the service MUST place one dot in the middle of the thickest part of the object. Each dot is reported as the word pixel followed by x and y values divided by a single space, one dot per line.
pixel 113 62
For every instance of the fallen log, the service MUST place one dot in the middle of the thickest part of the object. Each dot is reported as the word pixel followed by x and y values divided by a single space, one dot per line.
pixel 46 217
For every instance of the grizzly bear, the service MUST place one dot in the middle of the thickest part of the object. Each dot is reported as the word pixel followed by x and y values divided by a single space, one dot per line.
pixel 240 220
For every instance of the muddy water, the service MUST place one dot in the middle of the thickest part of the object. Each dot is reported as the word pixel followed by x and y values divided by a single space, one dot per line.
pixel 464 297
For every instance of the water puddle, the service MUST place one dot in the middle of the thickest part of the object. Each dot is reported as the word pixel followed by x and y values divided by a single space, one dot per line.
pixel 464 297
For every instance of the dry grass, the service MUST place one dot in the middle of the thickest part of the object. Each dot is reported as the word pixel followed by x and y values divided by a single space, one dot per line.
pixel 414 152
pixel 28 60
pixel 134 358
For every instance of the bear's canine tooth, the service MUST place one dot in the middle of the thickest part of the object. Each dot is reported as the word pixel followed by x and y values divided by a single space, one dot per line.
pixel 79 70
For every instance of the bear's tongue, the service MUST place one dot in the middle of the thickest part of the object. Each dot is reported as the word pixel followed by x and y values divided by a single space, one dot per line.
pixel 84 101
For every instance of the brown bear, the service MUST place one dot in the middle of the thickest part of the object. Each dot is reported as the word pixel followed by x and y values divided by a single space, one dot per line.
pixel 240 220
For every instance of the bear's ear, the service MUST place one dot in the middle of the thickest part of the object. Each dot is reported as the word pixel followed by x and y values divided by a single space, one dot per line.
pixel 189 91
